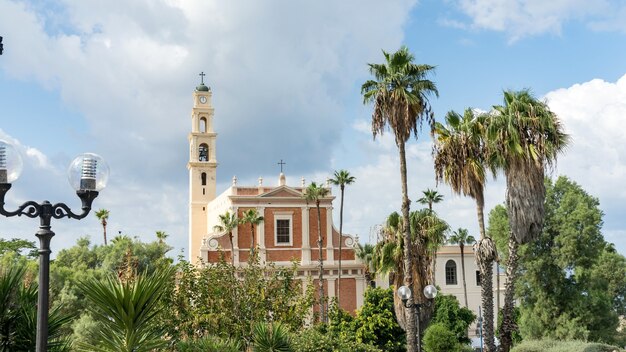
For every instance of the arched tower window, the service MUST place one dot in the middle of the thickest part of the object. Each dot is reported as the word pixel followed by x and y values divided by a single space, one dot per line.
pixel 450 272
pixel 203 152
pixel 203 124
pixel 203 176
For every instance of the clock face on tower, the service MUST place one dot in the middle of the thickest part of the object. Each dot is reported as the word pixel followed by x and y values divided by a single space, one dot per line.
pixel 203 99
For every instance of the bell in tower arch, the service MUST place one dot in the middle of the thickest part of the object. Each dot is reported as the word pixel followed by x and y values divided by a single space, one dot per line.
pixel 203 152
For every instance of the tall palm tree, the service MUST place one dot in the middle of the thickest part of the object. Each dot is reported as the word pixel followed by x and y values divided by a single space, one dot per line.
pixel 161 236
pixel 315 193
pixel 460 158
pixel 103 216
pixel 252 217
pixel 524 138
pixel 227 223
pixel 400 93
pixel 430 197
pixel 462 237
pixel 365 252
pixel 341 179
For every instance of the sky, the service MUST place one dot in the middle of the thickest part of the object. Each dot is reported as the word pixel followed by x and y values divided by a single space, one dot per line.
pixel 116 78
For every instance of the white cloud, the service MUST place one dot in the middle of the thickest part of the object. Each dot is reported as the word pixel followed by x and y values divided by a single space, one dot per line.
pixel 593 114
pixel 523 18
pixel 278 69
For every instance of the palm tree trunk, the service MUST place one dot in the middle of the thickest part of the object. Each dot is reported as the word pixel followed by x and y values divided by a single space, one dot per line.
pixel 321 264
pixel 252 245
pixel 232 249
pixel 497 288
pixel 508 321
pixel 340 247
pixel 104 230
pixel 484 259
pixel 411 332
pixel 463 271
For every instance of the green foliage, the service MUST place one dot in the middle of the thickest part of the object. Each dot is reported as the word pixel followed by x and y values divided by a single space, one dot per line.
pixel 18 246
pixel 210 344
pixel 219 300
pixel 128 310
pixel 498 229
pixel 438 338
pixel 376 323
pixel 18 315
pixel 314 340
pixel 453 317
pixel 549 345
pixel 573 282
pixel 271 338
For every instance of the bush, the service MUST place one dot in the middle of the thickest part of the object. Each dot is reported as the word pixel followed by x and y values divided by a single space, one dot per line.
pixel 271 338
pixel 563 346
pixel 438 338
pixel 209 344
pixel 313 340
pixel 455 318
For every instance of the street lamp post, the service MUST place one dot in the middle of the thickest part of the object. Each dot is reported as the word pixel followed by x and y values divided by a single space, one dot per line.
pixel 88 174
pixel 404 292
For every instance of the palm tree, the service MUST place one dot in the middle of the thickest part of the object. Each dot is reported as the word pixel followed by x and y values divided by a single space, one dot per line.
pixel 427 234
pixel 461 237
pixel 272 337
pixel 460 158
pixel 161 236
pixel 129 310
pixel 366 254
pixel 400 94
pixel 103 216
pixel 524 137
pixel 18 314
pixel 315 193
pixel 227 223
pixel 341 179
pixel 252 217
pixel 430 197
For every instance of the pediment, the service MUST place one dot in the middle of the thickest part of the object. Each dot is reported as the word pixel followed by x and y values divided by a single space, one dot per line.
pixel 282 192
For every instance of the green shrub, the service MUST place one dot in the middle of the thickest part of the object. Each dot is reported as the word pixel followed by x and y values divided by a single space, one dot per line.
pixel 438 338
pixel 313 340
pixel 209 344
pixel 563 346
pixel 271 338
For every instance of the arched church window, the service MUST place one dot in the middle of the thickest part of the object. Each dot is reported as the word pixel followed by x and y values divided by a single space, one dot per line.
pixel 450 272
pixel 203 176
pixel 203 152
pixel 203 125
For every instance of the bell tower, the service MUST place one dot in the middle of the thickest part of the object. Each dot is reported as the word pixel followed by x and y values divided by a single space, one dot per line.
pixel 202 166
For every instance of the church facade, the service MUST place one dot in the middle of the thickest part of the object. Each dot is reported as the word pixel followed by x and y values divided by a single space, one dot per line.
pixel 289 231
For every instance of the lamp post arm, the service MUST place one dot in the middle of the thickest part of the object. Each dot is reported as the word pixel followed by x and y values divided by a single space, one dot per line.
pixel 30 209
pixel 60 210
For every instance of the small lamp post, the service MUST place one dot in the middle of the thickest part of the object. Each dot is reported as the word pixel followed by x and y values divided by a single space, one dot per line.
pixel 88 174
pixel 404 292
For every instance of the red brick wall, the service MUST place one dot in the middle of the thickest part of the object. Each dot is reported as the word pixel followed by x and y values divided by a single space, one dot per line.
pixel 243 231
pixel 348 295
pixel 313 226
pixel 296 226
pixel 283 256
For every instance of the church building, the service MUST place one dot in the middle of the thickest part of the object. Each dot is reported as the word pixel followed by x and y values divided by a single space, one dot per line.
pixel 288 231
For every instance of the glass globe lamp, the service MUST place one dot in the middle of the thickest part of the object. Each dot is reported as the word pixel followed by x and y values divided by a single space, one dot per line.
pixel 88 172
pixel 10 162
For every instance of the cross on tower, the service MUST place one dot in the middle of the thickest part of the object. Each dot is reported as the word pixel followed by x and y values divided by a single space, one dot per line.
pixel 281 163
pixel 202 74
